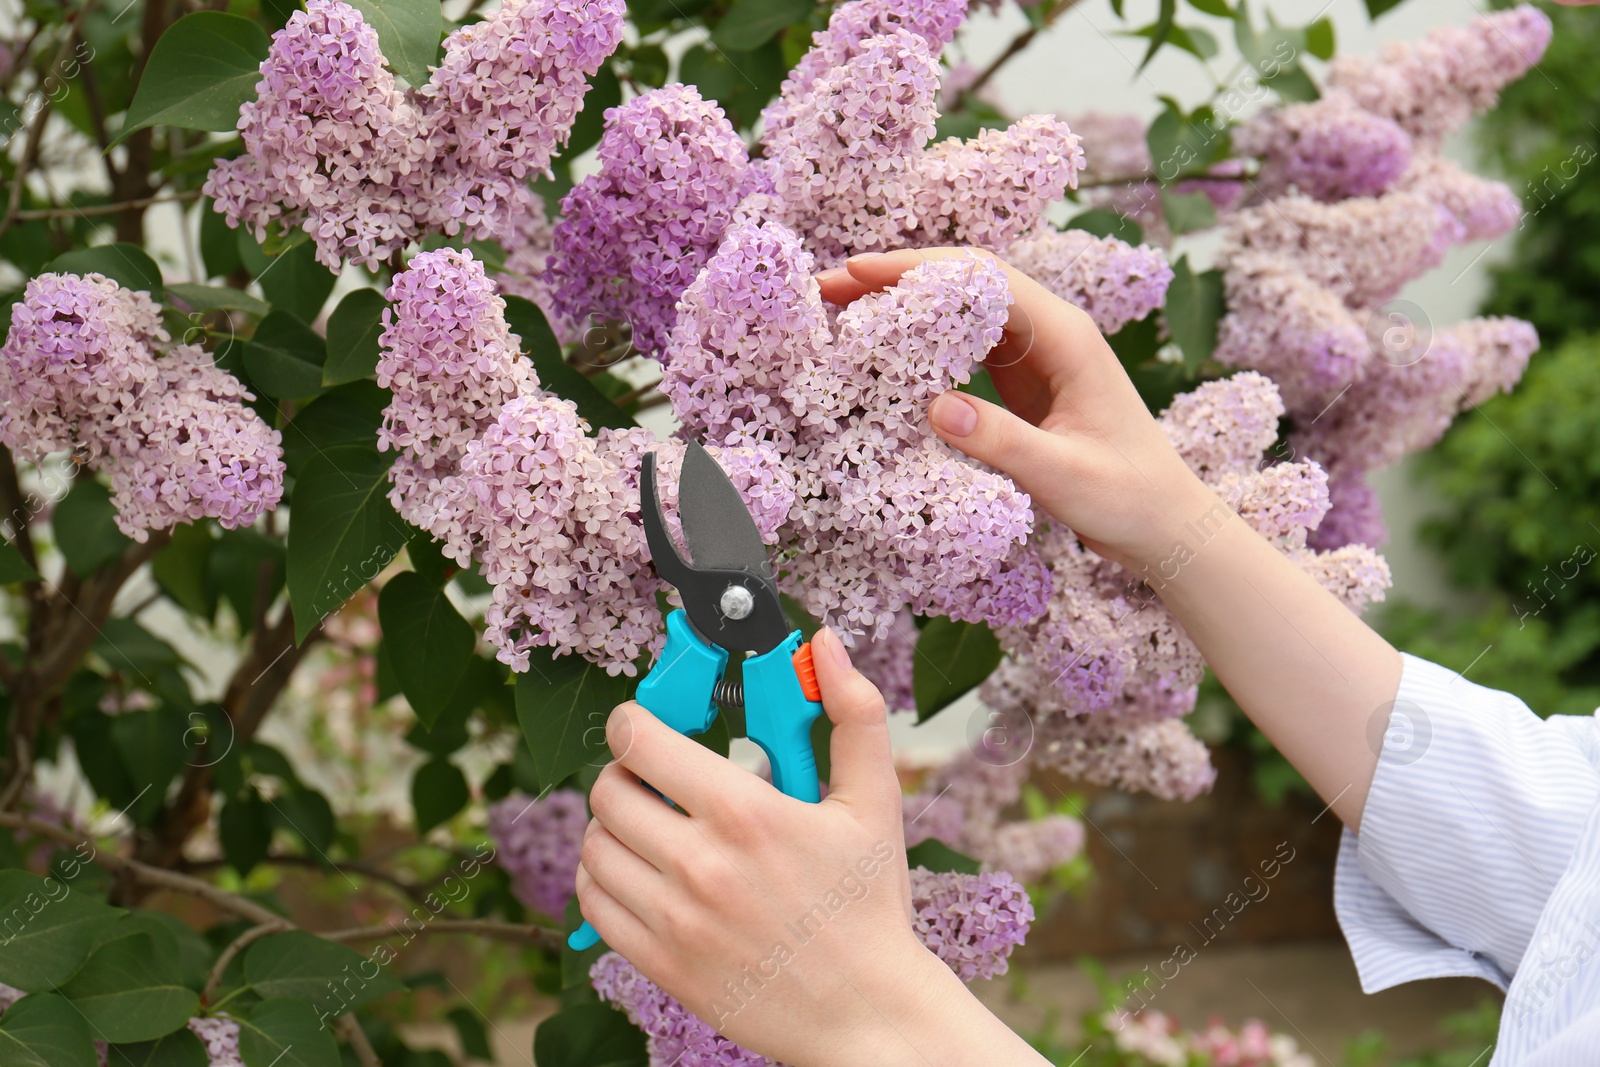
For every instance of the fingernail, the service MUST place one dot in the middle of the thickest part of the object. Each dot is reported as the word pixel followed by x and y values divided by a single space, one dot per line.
pixel 836 649
pixel 862 256
pixel 954 414
pixel 832 274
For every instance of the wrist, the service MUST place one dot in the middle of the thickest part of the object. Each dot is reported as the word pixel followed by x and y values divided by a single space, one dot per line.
pixel 1178 520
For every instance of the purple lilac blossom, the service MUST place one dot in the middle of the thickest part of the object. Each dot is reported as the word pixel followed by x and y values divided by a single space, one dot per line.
pixel 970 921
pixel 1329 149
pixel 538 843
pixel 80 371
pixel 1432 86
pixel 634 235
pixel 1115 282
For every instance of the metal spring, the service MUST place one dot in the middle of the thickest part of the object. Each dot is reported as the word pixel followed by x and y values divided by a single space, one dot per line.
pixel 728 694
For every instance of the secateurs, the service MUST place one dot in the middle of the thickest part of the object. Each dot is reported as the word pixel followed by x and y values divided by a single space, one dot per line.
pixel 730 603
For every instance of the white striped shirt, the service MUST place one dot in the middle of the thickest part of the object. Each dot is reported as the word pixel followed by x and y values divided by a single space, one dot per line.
pixel 1479 854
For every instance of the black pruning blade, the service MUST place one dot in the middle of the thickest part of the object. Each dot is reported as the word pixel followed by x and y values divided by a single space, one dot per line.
pixel 726 585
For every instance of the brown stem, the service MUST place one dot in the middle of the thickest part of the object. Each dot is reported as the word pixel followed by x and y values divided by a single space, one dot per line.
pixel 356 1038
pixel 107 209
pixel 133 184
pixel 416 893
pixel 144 873
pixel 653 401
pixel 236 946
pixel 634 394
pixel 542 936
pixel 30 149
pixel 16 508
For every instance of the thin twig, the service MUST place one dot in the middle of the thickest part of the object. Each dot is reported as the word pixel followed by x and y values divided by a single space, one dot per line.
pixel 356 1038
pixel 236 946
pixel 543 936
pixel 146 874
pixel 107 209
pixel 653 401
pixel 366 870
pixel 30 150
pixel 634 394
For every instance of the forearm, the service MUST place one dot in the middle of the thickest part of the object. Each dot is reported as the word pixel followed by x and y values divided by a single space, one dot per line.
pixel 929 1018
pixel 1301 665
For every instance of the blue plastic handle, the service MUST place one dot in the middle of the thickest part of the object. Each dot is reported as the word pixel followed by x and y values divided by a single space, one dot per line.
pixel 778 716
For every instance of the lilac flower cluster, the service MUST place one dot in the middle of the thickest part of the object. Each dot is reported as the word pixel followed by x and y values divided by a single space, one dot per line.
pixel 334 146
pixel 538 843
pixel 971 922
pixel 1105 669
pixel 80 370
pixel 1115 282
pixel 846 166
pixel 506 475
pixel 633 236
pixel 1362 202
pixel 886 516
pixel 964 805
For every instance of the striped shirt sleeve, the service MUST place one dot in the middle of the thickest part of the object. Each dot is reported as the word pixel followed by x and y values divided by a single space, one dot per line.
pixel 1473 817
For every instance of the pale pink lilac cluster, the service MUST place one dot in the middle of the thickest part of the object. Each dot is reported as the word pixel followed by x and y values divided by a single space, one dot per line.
pixel 507 475
pixel 538 843
pixel 88 367
pixel 970 921
pixel 846 166
pixel 888 662
pixel 886 516
pixel 1159 1040
pixel 965 804
pixel 1115 282
pixel 1357 212
pixel 335 147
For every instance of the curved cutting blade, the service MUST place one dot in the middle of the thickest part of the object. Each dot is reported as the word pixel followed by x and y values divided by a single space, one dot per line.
pixel 717 527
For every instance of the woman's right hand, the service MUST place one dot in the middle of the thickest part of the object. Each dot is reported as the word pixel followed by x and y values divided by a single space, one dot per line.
pixel 1077 436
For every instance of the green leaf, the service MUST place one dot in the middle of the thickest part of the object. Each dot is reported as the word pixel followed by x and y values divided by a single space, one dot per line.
pixel 86 528
pixel 438 791
pixel 470 1029
pixel 127 647
pixel 284 358
pixel 589 1035
pixel 245 827
pixel 937 856
pixel 1184 144
pixel 1218 8
pixel 1159 31
pixel 347 415
pixel 353 331
pixel 605 91
pixel 1191 39
pixel 741 82
pixel 127 995
pixel 1188 212
pixel 555 373
pixel 344 531
pixel 206 297
pixel 408 34
pixel 48 927
pixel 219 245
pixel 44 1030
pixel 951 659
pixel 752 23
pixel 201 71
pixel 1319 38
pixel 183 569
pixel 1378 7
pixel 1194 306
pixel 181 1048
pixel 430 644
pixel 128 265
pixel 324 974
pixel 427 557
pixel 292 279
pixel 281 1032
pixel 13 568
pixel 307 814
pixel 562 706
pixel 1104 223
pixel 238 560
pixel 150 744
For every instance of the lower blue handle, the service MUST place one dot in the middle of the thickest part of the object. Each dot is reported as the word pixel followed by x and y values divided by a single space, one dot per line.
pixel 778 714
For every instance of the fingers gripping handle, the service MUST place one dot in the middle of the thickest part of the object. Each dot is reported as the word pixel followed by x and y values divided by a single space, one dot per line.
pixel 678 692
pixel 781 701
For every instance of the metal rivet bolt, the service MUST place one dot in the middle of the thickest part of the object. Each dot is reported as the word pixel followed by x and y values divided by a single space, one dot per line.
pixel 737 602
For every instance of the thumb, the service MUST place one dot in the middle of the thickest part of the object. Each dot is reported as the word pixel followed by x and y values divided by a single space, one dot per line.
pixel 861 757
pixel 1035 459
